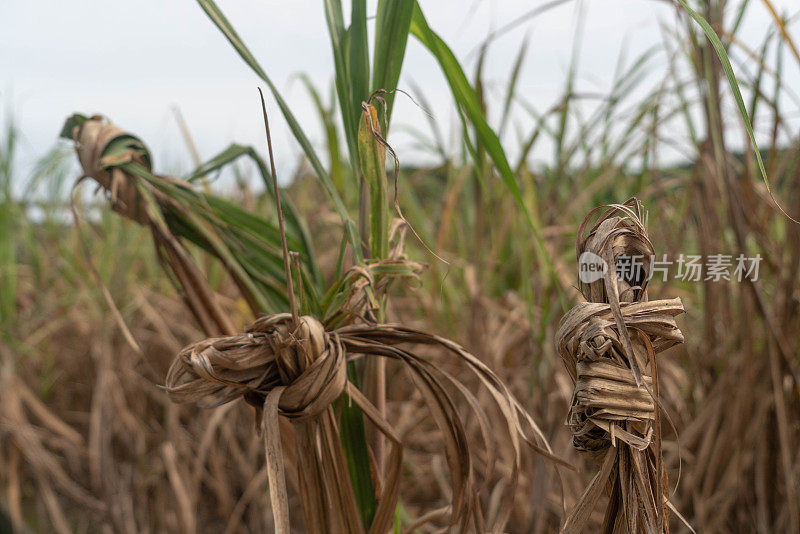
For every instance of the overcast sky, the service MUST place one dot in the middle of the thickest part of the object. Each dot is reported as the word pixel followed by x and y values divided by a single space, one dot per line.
pixel 135 61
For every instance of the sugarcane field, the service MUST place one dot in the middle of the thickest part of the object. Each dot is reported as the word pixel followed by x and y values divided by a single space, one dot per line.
pixel 400 266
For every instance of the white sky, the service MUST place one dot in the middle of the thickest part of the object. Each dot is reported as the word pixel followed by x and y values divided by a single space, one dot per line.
pixel 133 61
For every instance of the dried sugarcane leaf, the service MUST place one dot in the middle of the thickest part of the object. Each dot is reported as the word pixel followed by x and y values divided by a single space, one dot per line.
pixel 247 245
pixel 609 347
pixel 310 364
pixel 579 516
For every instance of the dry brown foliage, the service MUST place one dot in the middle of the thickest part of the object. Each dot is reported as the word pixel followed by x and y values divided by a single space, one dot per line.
pixel 609 346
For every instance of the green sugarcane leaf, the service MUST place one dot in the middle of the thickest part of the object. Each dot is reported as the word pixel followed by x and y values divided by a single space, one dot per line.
pixel 719 48
pixel 296 230
pixel 341 58
pixel 71 123
pixel 218 18
pixel 392 24
pixel 468 103
pixel 358 50
pixel 354 441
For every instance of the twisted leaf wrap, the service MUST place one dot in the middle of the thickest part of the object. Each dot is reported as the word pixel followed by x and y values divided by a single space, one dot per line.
pixel 609 346
pixel 297 371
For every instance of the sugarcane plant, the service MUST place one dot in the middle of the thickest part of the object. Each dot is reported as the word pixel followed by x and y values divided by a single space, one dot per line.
pixel 320 332
pixel 302 365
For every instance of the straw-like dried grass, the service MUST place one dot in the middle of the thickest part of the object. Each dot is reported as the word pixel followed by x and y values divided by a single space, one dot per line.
pixel 298 371
pixel 609 346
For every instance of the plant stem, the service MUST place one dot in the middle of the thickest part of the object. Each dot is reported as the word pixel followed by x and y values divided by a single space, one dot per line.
pixel 286 267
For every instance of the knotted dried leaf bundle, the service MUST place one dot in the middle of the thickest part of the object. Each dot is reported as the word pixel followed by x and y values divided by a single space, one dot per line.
pixel 609 346
pixel 298 371
pixel 176 213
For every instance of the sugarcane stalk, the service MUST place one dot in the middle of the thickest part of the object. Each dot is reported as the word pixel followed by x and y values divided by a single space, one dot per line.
pixel 372 157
